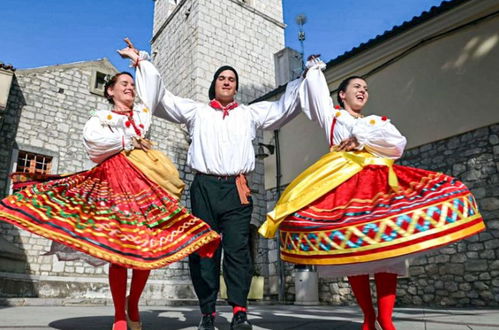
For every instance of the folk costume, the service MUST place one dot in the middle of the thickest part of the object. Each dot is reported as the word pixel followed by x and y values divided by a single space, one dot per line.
pixel 125 210
pixel 221 153
pixel 357 213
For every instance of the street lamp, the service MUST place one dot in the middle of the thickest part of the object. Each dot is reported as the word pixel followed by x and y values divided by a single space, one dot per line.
pixel 261 154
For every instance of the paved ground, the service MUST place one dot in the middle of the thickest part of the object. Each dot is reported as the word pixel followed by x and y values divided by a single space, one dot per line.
pixel 263 317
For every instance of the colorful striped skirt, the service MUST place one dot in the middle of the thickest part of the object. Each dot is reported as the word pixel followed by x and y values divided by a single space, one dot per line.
pixel 352 207
pixel 114 212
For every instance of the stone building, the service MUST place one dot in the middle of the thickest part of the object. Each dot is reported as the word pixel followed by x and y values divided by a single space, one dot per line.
pixel 440 65
pixel 435 77
pixel 192 39
pixel 41 129
pixel 47 108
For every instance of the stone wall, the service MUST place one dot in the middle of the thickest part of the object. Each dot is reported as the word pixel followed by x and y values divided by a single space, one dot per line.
pixel 49 106
pixel 47 110
pixel 193 38
pixel 465 273
pixel 9 120
pixel 200 36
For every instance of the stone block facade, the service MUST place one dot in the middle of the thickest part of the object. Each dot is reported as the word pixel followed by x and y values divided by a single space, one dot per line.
pixel 199 36
pixel 49 106
pixel 192 39
pixel 47 109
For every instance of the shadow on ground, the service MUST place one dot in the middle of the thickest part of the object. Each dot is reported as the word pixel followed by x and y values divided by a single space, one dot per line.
pixel 180 320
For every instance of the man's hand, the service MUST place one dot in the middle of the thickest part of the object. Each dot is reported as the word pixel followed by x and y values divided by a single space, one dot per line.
pixel 348 144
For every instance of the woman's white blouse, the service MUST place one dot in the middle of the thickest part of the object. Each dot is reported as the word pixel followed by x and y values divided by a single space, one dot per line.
pixel 374 133
pixel 106 133
pixel 220 146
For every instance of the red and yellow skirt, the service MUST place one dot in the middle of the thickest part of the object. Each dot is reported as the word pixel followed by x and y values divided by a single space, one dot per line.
pixel 352 207
pixel 115 211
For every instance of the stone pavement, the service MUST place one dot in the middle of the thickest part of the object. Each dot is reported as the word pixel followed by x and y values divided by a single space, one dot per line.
pixel 263 317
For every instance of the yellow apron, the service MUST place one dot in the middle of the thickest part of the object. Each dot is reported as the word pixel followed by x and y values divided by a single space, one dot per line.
pixel 327 173
pixel 158 168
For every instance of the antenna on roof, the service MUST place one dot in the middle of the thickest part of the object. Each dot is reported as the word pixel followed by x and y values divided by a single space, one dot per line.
pixel 301 20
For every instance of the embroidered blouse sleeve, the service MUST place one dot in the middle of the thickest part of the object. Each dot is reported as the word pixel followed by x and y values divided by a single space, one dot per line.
pixel 315 99
pixel 152 92
pixel 379 137
pixel 105 134
pixel 273 115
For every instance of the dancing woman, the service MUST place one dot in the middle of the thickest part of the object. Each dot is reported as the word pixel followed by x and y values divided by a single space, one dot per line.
pixel 354 212
pixel 125 210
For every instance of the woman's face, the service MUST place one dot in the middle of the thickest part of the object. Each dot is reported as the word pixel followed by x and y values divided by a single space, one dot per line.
pixel 355 96
pixel 123 91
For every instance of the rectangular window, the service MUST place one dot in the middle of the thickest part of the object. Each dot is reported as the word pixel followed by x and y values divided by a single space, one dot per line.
pixel 97 82
pixel 100 80
pixel 29 162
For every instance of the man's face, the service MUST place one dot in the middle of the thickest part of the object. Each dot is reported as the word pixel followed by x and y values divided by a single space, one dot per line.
pixel 225 87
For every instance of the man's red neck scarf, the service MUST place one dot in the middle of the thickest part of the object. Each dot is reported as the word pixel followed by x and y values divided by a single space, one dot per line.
pixel 218 106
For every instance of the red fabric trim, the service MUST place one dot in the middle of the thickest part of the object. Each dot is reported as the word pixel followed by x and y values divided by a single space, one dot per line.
pixel 130 121
pixel 218 106
pixel 331 135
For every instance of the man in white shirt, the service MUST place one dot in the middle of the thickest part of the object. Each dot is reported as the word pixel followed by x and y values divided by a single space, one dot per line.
pixel 221 153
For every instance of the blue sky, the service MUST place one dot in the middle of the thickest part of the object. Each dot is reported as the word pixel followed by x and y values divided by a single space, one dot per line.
pixel 36 33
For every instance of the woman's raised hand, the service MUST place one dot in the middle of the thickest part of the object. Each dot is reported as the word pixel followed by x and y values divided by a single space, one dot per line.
pixel 313 60
pixel 129 52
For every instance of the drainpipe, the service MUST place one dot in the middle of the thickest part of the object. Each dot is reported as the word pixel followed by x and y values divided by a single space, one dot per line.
pixel 282 275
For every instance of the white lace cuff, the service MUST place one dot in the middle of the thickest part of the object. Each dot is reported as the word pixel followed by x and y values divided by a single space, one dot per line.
pixel 316 62
pixel 143 56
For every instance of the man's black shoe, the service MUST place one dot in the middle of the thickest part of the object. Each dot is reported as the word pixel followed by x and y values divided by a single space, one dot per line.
pixel 207 322
pixel 240 322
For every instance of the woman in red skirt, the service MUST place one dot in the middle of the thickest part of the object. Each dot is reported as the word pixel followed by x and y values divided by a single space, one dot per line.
pixel 124 211
pixel 354 212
